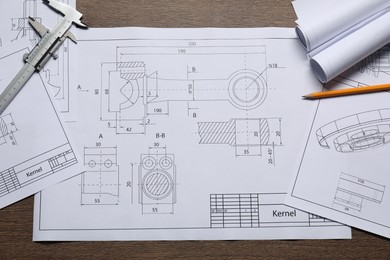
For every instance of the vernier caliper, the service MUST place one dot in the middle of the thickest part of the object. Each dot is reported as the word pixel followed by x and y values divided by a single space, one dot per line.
pixel 46 48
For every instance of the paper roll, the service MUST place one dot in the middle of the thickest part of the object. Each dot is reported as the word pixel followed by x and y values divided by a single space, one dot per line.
pixel 321 21
pixel 338 34
pixel 346 52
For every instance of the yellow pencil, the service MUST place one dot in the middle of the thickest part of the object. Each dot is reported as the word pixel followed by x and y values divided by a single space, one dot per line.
pixel 348 91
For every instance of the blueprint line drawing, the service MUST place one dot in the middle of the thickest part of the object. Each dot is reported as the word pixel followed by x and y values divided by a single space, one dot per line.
pixel 352 193
pixel 21 24
pixel 247 136
pixel 138 86
pixel 153 98
pixel 36 168
pixel 43 154
pixel 347 82
pixel 56 73
pixel 358 132
pixel 375 64
pixel 7 130
pixel 100 181
pixel 157 182
pixel 256 210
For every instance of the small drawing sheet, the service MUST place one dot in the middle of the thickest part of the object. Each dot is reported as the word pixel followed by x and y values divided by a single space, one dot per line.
pixel 343 170
pixel 15 29
pixel 185 134
pixel 35 149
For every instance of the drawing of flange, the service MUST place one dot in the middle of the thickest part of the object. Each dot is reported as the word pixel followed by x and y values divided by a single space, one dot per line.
pixel 357 132
pixel 247 89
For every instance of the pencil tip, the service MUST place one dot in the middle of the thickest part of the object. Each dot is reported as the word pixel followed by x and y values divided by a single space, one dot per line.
pixel 309 96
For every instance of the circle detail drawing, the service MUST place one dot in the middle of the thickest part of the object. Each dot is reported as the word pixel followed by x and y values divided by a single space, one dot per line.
pixel 247 89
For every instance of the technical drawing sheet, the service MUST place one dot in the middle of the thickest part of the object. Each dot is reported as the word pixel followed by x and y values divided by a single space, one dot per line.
pixel 185 134
pixel 35 149
pixel 15 28
pixel 343 170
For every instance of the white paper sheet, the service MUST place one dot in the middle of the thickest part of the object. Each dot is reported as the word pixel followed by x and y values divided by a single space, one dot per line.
pixel 35 149
pixel 186 134
pixel 14 28
pixel 320 21
pixel 338 34
pixel 343 172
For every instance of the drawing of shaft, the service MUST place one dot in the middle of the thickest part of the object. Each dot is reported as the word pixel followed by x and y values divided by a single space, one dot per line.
pixel 236 132
pixel 245 89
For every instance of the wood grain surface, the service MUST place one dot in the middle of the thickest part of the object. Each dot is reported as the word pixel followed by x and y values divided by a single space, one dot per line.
pixel 16 220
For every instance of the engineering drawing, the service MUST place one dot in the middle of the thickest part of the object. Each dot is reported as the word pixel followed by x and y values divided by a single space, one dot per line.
pixel 22 26
pixel 357 132
pixel 138 85
pixel 376 63
pixel 56 72
pixel 7 130
pixel 253 210
pixel 100 182
pixel 353 192
pixel 348 83
pixel 40 167
pixel 247 136
pixel 157 182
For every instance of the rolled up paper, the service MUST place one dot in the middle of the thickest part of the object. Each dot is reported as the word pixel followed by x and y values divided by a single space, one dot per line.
pixel 338 35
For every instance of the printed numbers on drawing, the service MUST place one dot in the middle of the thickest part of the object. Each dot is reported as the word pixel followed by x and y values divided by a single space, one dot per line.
pixel 154 210
pixel 97 201
pixel 128 184
pixel 97 92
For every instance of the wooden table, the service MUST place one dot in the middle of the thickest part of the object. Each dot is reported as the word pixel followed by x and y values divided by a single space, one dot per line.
pixel 16 220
